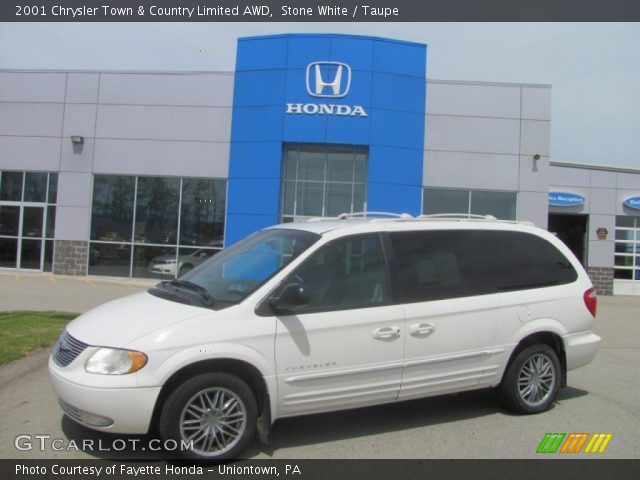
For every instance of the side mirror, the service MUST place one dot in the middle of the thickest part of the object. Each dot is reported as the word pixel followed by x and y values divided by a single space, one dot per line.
pixel 291 296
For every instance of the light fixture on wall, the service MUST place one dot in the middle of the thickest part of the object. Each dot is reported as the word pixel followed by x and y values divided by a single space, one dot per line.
pixel 77 139
pixel 536 157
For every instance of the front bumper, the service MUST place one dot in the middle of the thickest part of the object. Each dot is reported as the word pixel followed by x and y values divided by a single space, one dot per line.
pixel 580 348
pixel 164 268
pixel 130 409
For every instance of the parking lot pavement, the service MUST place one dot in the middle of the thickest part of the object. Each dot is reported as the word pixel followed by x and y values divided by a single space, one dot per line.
pixel 601 398
pixel 36 291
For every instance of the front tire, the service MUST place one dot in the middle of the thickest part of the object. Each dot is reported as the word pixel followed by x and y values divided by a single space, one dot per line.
pixel 532 380
pixel 215 411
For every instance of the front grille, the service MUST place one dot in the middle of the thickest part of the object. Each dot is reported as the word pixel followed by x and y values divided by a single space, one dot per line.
pixel 67 349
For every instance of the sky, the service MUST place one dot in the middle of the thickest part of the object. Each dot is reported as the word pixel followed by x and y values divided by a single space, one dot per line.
pixel 593 68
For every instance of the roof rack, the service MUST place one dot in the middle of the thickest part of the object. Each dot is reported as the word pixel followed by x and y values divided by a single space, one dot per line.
pixel 381 216
pixel 463 216
pixel 345 216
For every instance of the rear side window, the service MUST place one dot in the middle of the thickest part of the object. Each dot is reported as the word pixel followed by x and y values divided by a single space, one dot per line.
pixel 440 264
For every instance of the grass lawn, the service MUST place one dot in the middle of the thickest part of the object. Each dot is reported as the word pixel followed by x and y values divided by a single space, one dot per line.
pixel 24 332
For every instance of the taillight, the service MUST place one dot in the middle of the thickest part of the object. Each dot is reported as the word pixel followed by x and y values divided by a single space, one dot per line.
pixel 591 300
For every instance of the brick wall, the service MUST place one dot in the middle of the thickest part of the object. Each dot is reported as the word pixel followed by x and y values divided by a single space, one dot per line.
pixel 602 278
pixel 70 257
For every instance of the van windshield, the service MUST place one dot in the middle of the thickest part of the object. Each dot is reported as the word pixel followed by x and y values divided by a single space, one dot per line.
pixel 233 274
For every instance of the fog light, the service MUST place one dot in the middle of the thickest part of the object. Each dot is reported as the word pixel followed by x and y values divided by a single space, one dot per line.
pixel 93 419
pixel 82 416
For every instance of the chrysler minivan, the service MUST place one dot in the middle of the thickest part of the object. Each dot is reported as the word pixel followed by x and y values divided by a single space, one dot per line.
pixel 331 314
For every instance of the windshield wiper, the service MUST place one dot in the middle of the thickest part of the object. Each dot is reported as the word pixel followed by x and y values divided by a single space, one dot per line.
pixel 194 287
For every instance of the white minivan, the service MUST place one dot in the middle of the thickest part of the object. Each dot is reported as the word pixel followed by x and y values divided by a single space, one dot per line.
pixel 331 314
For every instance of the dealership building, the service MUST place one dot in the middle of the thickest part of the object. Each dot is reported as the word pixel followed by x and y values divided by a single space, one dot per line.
pixel 147 174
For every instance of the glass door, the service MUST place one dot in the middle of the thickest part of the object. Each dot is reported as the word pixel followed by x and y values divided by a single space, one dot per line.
pixel 32 232
pixel 9 235
pixel 22 236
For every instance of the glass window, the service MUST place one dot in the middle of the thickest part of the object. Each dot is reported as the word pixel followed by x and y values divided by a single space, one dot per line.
pixel 291 163
pixel 360 169
pixel 320 181
pixel 154 262
pixel 51 221
pixel 311 165
pixel 168 211
pixel 521 261
pixel 340 167
pixel 9 220
pixel 346 273
pixel 32 221
pixel 157 210
pixel 622 247
pixel 436 265
pixel 623 261
pixel 309 199
pixel 52 196
pixel 48 256
pixel 112 211
pixel 623 274
pixel 359 194
pixel 625 221
pixel 35 187
pixel 440 200
pixel 24 222
pixel 30 254
pixel 11 186
pixel 501 205
pixel 289 197
pixel 202 212
pixel 189 258
pixel 338 199
pixel 8 252
pixel 231 275
pixel 628 235
pixel 627 248
pixel 110 259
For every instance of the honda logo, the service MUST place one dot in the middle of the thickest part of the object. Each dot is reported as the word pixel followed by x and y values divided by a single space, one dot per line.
pixel 328 79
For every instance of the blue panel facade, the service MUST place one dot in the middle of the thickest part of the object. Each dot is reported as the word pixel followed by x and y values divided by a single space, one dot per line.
pixel 276 102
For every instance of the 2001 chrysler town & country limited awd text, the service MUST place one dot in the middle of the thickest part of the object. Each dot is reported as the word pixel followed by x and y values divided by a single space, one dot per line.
pixel 331 314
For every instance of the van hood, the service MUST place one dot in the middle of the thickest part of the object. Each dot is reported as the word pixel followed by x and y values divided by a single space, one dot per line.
pixel 119 322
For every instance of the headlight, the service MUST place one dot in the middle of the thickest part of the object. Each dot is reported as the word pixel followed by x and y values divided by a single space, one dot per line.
pixel 115 361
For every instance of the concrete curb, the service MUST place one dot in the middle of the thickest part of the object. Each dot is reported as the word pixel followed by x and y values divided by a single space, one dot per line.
pixel 18 368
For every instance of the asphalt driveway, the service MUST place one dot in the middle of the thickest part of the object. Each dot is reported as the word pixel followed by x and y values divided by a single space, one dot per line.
pixel 602 397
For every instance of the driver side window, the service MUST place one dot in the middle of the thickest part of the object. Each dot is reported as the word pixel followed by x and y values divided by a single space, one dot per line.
pixel 346 273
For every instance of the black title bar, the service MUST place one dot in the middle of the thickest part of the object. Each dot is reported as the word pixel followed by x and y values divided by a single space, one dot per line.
pixel 319 10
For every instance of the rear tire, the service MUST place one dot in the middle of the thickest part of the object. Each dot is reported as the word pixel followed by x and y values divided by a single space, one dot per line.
pixel 216 411
pixel 532 380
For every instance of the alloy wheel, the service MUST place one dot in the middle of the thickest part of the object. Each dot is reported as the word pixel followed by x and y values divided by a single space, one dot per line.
pixel 536 380
pixel 213 421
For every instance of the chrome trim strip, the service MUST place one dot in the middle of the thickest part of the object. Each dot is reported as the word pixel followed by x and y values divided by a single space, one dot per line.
pixel 414 363
pixel 451 358
pixel 329 397
pixel 341 373
pixel 347 391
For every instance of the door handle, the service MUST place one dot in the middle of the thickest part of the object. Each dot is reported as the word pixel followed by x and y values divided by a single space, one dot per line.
pixel 386 333
pixel 422 329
